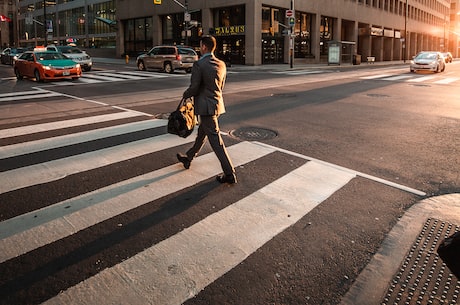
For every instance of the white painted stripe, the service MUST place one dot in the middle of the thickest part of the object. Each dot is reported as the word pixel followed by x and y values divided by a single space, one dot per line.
pixel 16 96
pixel 146 74
pixel 298 72
pixel 103 78
pixel 88 80
pixel 30 129
pixel 421 79
pixel 29 231
pixel 122 76
pixel 58 169
pixel 370 177
pixel 181 266
pixel 79 137
pixel 447 80
pixel 398 77
pixel 375 76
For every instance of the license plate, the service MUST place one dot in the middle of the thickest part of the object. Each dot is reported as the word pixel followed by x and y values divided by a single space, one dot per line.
pixel 65 73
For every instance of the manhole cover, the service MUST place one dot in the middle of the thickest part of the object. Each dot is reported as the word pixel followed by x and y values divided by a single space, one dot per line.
pixel 423 278
pixel 253 133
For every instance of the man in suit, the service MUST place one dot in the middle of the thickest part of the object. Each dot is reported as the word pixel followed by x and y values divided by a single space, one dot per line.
pixel 206 85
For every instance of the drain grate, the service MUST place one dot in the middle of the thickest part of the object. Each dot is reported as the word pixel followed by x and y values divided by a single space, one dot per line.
pixel 423 278
pixel 253 133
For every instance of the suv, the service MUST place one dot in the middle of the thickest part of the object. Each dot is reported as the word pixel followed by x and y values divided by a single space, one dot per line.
pixel 167 59
pixel 75 54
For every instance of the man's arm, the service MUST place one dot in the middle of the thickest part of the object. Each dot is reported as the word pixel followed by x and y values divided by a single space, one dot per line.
pixel 195 82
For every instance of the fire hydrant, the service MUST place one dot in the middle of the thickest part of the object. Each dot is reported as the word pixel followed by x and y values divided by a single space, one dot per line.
pixel 127 59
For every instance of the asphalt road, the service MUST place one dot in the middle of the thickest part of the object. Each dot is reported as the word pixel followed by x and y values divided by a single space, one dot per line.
pixel 94 208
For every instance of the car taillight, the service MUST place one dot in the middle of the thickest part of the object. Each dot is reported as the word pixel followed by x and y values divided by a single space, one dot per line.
pixel 178 57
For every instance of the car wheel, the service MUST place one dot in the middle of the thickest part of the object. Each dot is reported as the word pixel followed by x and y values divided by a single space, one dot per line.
pixel 87 69
pixel 141 66
pixel 18 74
pixel 168 67
pixel 37 76
pixel 189 70
pixel 443 68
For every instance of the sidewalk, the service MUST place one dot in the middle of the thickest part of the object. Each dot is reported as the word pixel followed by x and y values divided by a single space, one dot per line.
pixel 271 67
pixel 407 268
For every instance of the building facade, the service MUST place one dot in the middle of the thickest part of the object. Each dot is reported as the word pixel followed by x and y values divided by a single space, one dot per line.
pixel 86 23
pixel 250 32
pixel 255 32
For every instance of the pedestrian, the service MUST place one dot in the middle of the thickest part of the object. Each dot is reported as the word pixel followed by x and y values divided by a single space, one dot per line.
pixel 206 85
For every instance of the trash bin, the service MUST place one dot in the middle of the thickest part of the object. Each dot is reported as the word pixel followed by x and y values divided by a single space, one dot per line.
pixel 356 59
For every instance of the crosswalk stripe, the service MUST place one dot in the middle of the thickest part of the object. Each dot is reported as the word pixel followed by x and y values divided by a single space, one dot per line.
pixel 184 264
pixel 25 95
pixel 57 169
pixel 122 76
pixel 30 129
pixel 145 74
pixel 397 77
pixel 421 79
pixel 76 138
pixel 28 231
pixel 375 76
pixel 447 80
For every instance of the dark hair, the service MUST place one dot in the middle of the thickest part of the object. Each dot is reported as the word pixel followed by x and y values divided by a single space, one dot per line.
pixel 209 41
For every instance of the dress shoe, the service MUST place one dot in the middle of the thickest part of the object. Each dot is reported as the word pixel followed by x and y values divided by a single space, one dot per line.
pixel 230 179
pixel 184 160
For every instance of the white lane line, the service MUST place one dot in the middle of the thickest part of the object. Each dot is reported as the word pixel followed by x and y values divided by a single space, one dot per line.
pixel 398 77
pixel 421 79
pixel 375 76
pixel 184 264
pixel 447 80
pixel 26 95
pixel 32 230
pixel 363 175
pixel 57 169
pixel 30 129
pixel 76 138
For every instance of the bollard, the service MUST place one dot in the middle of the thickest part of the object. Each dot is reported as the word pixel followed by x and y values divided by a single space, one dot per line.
pixel 127 59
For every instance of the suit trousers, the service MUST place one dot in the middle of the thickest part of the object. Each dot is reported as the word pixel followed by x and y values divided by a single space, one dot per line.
pixel 209 128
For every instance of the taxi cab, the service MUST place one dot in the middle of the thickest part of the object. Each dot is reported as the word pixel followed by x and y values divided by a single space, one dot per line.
pixel 46 65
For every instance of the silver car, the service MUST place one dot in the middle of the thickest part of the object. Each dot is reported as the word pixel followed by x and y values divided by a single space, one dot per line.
pixel 428 61
pixel 167 59
pixel 75 54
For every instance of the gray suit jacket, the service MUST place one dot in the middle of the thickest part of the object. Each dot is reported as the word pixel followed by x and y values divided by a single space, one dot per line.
pixel 206 85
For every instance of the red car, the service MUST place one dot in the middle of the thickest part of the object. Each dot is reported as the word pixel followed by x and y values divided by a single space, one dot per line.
pixel 46 65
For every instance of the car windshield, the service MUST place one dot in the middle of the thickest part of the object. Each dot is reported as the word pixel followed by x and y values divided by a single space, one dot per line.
pixel 49 56
pixel 71 51
pixel 427 56
pixel 186 51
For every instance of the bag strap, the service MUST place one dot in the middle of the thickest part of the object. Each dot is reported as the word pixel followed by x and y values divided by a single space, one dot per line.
pixel 182 102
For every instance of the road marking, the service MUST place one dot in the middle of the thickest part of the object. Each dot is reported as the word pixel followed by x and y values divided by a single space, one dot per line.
pixel 25 95
pixel 30 129
pixel 447 80
pixel 375 76
pixel 397 77
pixel 76 138
pixel 184 264
pixel 421 79
pixel 32 230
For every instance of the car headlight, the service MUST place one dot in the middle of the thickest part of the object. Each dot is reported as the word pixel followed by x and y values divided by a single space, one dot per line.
pixel 77 65
pixel 47 67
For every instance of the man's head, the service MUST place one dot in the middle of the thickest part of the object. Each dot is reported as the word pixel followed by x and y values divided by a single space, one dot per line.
pixel 208 43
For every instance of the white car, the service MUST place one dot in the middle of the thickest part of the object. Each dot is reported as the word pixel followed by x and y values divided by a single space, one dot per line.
pixel 75 54
pixel 428 61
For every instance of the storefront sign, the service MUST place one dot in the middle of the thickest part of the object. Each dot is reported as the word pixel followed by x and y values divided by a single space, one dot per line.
pixel 388 33
pixel 376 31
pixel 229 30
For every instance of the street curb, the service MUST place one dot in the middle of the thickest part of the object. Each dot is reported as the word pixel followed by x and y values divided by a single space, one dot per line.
pixel 372 283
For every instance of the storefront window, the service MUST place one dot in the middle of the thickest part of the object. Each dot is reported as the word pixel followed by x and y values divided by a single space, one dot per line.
pixel 138 36
pixel 326 30
pixel 272 35
pixel 303 27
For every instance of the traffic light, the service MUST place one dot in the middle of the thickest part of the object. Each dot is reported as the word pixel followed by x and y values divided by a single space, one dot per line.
pixel 156 1
pixel 291 21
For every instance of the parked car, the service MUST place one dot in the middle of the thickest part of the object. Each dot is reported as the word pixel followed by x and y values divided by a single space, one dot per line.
pixel 48 65
pixel 428 61
pixel 75 54
pixel 167 59
pixel 447 56
pixel 9 55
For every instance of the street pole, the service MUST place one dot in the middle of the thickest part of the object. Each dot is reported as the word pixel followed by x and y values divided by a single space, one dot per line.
pixel 45 30
pixel 291 39
pixel 405 34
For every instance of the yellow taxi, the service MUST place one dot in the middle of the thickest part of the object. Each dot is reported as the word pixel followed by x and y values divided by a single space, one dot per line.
pixel 46 65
